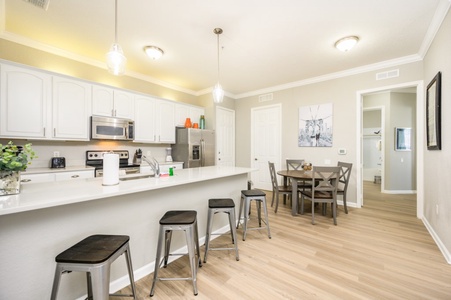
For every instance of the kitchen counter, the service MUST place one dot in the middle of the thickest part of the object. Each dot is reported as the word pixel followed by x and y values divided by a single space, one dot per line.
pixel 47 218
pixel 49 194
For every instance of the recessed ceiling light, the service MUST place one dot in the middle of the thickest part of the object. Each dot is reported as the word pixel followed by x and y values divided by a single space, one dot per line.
pixel 347 43
pixel 153 52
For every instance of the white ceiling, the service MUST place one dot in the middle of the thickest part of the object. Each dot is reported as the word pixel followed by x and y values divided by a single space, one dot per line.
pixel 265 43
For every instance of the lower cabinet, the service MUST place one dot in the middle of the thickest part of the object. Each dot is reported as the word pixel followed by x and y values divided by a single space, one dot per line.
pixel 56 176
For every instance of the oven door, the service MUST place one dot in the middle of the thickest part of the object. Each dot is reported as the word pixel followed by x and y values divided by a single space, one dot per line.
pixel 106 128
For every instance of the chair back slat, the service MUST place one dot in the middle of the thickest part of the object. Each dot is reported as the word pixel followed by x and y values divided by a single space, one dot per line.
pixel 345 174
pixel 325 179
pixel 272 172
pixel 295 164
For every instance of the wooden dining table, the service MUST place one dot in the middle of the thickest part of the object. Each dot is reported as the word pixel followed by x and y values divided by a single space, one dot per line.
pixel 295 175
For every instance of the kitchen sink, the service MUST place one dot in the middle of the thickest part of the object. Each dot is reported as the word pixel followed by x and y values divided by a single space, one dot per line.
pixel 136 177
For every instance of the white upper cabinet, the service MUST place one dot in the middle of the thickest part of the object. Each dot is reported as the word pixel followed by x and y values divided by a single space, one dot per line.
pixel 165 121
pixel 145 120
pixel 24 103
pixel 112 103
pixel 183 111
pixel 71 109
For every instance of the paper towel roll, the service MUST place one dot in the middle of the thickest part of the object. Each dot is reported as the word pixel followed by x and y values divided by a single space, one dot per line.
pixel 110 169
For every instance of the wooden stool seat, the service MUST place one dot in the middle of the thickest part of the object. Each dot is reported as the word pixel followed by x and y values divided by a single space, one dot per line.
pixel 94 255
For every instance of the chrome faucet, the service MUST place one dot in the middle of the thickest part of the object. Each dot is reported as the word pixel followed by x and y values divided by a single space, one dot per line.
pixel 153 163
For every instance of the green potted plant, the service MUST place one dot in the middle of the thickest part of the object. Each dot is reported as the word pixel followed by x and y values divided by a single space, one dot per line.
pixel 13 159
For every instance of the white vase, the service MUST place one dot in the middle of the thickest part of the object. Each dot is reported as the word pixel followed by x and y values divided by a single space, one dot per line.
pixel 9 182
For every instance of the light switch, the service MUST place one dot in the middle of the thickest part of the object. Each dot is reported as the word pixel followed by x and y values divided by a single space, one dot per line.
pixel 342 151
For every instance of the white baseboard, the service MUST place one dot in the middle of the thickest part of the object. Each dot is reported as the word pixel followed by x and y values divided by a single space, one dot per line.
pixel 437 240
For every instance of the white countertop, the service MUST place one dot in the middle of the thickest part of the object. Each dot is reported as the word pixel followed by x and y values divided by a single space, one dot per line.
pixel 50 194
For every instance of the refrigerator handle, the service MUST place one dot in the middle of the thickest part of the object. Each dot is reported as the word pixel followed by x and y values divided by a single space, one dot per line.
pixel 202 149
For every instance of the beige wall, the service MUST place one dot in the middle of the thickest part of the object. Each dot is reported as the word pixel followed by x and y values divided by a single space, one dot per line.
pixel 437 164
pixel 342 94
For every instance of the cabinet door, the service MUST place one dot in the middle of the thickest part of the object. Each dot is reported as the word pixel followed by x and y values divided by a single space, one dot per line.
pixel 102 101
pixel 165 121
pixel 181 113
pixel 24 102
pixel 195 113
pixel 71 103
pixel 123 105
pixel 145 120
pixel 74 175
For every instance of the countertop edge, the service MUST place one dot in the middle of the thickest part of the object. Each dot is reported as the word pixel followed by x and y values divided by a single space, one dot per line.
pixel 58 193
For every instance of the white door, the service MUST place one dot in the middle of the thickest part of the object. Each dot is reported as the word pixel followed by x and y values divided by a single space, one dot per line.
pixel 266 139
pixel 225 129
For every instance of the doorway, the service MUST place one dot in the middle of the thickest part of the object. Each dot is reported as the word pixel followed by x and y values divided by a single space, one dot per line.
pixel 266 143
pixel 225 140
pixel 419 141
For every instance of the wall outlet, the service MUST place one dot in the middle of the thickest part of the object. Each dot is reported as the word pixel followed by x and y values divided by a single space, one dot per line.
pixel 327 161
pixel 56 154
pixel 149 153
pixel 436 209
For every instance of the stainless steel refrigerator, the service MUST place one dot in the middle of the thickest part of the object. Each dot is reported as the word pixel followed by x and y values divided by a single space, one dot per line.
pixel 194 147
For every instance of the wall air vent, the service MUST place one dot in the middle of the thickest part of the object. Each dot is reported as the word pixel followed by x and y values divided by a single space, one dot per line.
pixel 265 97
pixel 387 74
pixel 44 4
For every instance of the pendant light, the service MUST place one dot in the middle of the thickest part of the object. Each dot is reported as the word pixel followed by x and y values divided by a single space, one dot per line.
pixel 218 92
pixel 115 58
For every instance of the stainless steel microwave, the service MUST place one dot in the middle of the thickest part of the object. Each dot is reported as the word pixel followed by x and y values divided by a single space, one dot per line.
pixel 109 128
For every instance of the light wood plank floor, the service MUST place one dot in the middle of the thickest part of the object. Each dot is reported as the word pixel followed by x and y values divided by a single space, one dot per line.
pixel 381 251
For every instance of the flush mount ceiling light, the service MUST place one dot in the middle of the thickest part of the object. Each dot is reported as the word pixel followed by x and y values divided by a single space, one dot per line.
pixel 347 43
pixel 218 92
pixel 153 52
pixel 115 58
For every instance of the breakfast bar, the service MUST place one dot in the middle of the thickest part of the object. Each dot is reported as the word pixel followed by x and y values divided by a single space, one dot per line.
pixel 47 218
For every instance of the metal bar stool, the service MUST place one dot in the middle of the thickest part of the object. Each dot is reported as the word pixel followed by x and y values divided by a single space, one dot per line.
pixel 94 256
pixel 246 197
pixel 224 205
pixel 181 220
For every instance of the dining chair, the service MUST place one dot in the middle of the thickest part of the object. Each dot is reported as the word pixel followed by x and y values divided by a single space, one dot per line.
pixel 323 189
pixel 276 188
pixel 345 174
pixel 297 164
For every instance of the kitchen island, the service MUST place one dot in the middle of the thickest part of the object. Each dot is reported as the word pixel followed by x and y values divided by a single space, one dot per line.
pixel 47 218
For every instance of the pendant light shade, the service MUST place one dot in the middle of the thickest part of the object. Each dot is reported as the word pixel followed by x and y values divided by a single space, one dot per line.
pixel 115 58
pixel 218 92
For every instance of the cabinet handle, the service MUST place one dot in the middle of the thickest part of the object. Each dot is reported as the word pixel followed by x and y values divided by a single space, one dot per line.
pixel 75 176
pixel 112 112
pixel 44 131
pixel 54 132
pixel 25 180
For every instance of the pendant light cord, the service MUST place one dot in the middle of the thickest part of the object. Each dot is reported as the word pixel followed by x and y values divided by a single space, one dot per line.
pixel 115 22
pixel 218 54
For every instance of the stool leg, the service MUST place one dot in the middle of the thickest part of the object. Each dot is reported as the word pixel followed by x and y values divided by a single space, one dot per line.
pixel 100 278
pixel 196 244
pixel 157 260
pixel 207 236
pixel 128 258
pixel 167 246
pixel 231 226
pixel 265 210
pixel 192 257
pixel 56 281
pixel 259 212
pixel 239 211
pixel 232 221
pixel 246 212
pixel 89 285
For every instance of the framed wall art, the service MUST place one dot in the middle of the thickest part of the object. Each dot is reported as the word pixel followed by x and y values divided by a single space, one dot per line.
pixel 403 139
pixel 433 113
pixel 315 126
